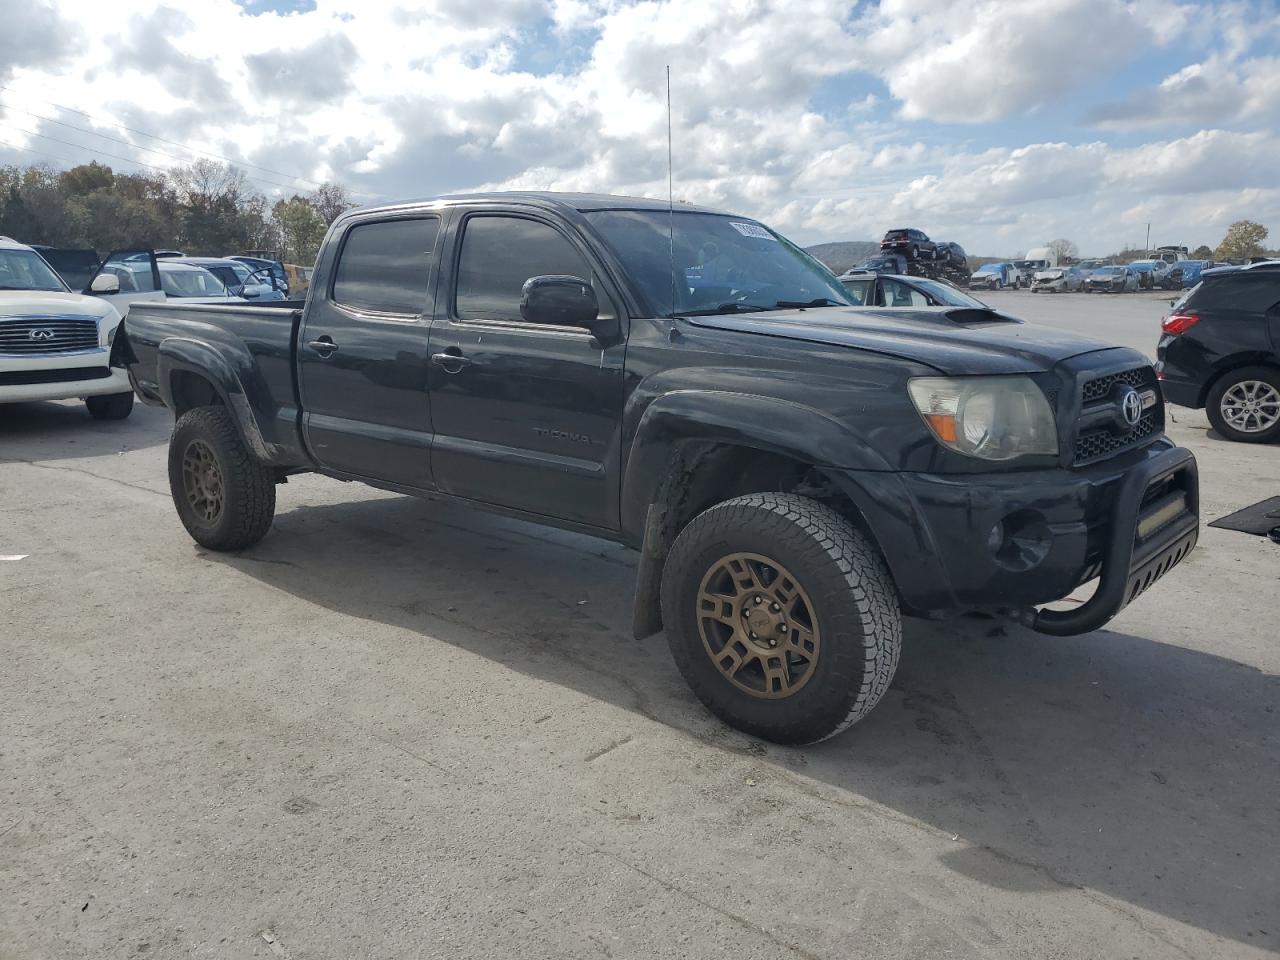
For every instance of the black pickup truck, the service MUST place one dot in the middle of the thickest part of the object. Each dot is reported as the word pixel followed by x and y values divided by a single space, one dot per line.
pixel 796 473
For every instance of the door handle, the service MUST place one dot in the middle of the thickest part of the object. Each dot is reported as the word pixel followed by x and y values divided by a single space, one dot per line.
pixel 451 360
pixel 324 346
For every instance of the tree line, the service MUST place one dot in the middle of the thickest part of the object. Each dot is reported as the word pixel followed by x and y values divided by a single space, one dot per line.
pixel 203 209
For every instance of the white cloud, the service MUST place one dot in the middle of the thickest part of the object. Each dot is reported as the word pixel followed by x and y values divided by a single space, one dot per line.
pixel 983 60
pixel 433 96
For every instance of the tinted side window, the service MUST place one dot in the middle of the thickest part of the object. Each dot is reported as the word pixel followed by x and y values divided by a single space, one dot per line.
pixel 384 266
pixel 859 291
pixel 898 294
pixel 499 254
pixel 1254 294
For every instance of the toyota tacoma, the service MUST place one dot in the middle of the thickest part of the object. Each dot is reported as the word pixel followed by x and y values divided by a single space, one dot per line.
pixel 796 473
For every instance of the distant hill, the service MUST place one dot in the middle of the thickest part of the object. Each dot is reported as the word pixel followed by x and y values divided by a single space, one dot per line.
pixel 840 256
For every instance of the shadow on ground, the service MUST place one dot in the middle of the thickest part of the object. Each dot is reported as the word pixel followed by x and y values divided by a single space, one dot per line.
pixel 63 430
pixel 1114 763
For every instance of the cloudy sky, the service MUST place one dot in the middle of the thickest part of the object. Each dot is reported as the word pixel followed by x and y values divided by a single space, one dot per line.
pixel 996 123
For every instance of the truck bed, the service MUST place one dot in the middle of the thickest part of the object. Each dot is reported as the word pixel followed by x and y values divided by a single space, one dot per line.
pixel 177 353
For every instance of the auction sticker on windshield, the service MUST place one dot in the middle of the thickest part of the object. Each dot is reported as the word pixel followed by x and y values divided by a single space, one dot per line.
pixel 753 230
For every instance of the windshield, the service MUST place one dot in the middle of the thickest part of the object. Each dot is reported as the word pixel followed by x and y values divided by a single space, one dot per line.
pixel 26 270
pixel 945 293
pixel 990 268
pixel 723 264
pixel 876 263
pixel 191 282
pixel 1106 271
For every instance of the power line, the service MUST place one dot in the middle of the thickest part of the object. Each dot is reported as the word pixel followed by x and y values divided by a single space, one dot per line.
pixel 129 143
pixel 174 143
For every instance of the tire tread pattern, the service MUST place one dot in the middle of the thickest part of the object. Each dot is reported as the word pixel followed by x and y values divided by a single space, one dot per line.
pixel 867 613
pixel 249 504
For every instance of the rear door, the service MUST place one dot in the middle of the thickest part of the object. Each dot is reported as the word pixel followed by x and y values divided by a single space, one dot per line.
pixel 362 353
pixel 526 415
pixel 137 274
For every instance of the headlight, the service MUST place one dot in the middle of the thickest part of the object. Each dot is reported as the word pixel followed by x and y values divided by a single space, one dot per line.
pixel 992 418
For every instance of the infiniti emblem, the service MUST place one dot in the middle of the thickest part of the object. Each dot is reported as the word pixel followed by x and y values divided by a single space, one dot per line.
pixel 1131 407
pixel 41 333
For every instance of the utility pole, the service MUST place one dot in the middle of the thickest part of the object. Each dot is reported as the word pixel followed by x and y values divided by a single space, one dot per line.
pixel 1148 250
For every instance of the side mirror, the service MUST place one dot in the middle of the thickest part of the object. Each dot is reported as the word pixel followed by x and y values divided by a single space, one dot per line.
pixel 250 293
pixel 564 301
pixel 105 283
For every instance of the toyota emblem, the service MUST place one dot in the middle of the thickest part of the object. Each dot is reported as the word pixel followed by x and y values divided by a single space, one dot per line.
pixel 1131 407
pixel 41 333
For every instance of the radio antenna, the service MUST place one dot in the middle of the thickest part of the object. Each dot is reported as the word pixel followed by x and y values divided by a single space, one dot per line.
pixel 671 216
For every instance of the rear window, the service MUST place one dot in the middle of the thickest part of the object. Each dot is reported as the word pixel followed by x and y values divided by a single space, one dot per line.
pixel 384 266
pixel 1252 293
pixel 896 235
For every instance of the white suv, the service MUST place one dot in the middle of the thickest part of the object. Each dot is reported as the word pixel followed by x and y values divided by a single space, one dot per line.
pixel 55 344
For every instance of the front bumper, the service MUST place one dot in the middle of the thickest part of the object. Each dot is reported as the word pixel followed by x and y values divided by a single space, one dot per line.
pixel 1013 541
pixel 85 374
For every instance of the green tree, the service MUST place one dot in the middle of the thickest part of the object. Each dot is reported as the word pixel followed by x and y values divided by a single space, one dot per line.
pixel 301 229
pixel 1244 239
pixel 1202 252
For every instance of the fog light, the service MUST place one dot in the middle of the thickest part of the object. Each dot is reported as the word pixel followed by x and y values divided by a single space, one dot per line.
pixel 1020 541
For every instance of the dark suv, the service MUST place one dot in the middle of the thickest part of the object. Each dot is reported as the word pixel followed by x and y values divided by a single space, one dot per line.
pixel 912 244
pixel 1221 350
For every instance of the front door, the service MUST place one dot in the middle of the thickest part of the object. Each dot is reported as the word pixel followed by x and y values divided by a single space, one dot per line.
pixel 137 275
pixel 526 415
pixel 362 356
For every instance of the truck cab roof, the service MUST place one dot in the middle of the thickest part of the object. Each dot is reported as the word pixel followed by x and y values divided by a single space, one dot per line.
pixel 548 199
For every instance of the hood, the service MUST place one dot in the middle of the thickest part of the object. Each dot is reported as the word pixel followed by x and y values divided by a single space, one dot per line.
pixel 1052 274
pixel 953 340
pixel 43 303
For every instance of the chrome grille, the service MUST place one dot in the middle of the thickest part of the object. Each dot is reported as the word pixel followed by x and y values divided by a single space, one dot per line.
pixel 1097 441
pixel 47 335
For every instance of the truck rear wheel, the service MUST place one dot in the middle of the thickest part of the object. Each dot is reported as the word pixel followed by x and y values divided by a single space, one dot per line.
pixel 225 498
pixel 781 616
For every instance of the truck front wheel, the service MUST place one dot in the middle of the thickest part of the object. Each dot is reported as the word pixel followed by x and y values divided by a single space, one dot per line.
pixel 225 498
pixel 781 616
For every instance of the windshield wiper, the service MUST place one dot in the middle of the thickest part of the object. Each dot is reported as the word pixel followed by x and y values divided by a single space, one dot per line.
pixel 735 307
pixel 800 305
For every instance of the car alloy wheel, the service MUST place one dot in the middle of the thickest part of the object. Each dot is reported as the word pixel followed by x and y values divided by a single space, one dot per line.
pixel 758 626
pixel 1251 406
pixel 202 481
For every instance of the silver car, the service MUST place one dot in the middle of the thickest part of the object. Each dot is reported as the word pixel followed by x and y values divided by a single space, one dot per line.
pixel 1057 280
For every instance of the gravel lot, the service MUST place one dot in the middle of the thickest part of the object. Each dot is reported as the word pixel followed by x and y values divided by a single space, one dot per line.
pixel 395 729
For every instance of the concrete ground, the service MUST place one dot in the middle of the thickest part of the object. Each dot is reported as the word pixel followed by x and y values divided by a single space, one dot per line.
pixel 396 729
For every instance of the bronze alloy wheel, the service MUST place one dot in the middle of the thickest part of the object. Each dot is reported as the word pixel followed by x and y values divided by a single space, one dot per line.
pixel 758 626
pixel 202 481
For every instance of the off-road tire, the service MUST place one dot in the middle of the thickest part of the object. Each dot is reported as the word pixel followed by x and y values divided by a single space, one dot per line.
pixel 854 601
pixel 249 491
pixel 112 406
pixel 1213 404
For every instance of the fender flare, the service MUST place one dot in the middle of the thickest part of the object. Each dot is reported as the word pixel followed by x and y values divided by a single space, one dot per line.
pixel 181 355
pixel 767 424
pixel 685 419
